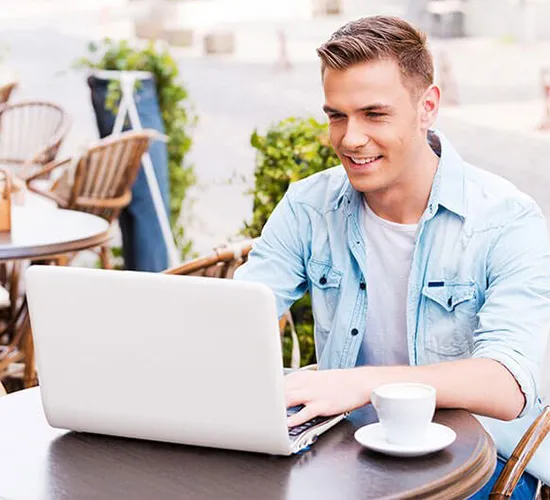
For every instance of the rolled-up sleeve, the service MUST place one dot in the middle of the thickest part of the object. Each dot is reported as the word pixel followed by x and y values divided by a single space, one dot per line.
pixel 277 257
pixel 514 320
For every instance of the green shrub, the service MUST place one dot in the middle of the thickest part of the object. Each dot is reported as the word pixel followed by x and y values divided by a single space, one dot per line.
pixel 291 150
pixel 176 115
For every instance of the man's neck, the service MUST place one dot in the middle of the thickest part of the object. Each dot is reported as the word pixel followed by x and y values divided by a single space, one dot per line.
pixel 405 203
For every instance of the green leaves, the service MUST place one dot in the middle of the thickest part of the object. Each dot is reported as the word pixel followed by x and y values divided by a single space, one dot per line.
pixel 176 113
pixel 290 150
pixel 256 141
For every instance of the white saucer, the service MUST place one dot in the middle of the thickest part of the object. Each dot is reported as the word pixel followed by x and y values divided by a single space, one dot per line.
pixel 437 437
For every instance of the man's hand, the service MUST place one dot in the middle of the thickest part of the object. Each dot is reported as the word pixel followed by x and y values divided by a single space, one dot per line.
pixel 325 393
pixel 480 385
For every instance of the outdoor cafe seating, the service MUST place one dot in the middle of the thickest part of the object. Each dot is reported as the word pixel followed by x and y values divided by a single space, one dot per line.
pixel 98 182
pixel 222 264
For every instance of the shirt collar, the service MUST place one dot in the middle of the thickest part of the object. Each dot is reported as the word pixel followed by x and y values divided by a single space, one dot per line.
pixel 448 188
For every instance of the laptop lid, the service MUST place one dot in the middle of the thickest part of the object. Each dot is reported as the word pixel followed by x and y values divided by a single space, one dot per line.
pixel 170 358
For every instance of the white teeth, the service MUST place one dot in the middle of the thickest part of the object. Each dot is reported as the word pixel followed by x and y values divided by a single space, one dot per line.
pixel 363 161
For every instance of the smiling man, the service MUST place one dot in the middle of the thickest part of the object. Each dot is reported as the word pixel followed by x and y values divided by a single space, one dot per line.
pixel 421 268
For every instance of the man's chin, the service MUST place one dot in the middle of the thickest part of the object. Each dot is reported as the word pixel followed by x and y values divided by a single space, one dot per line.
pixel 365 185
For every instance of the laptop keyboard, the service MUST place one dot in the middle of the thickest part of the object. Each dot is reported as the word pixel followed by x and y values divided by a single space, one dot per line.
pixel 295 431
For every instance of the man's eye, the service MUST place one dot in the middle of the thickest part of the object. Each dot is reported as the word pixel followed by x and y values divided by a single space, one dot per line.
pixel 372 114
pixel 335 116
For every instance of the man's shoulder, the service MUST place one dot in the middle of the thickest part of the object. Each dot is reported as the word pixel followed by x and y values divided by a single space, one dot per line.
pixel 319 191
pixel 494 198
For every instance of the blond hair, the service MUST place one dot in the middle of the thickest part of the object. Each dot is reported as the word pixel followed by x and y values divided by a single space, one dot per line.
pixel 381 37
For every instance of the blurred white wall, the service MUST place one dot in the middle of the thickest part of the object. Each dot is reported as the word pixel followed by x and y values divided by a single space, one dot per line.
pixel 525 20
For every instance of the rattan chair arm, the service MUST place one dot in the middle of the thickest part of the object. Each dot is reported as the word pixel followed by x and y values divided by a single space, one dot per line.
pixel 194 265
pixel 112 203
pixel 48 194
pixel 47 169
pixel 521 456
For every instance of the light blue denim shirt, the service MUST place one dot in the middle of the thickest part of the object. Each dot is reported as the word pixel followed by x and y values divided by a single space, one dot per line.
pixel 479 284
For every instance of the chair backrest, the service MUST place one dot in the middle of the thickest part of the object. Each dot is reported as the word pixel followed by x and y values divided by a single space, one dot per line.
pixel 221 264
pixel 6 91
pixel 31 132
pixel 103 176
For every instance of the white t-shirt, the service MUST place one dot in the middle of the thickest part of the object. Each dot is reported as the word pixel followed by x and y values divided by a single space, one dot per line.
pixel 389 257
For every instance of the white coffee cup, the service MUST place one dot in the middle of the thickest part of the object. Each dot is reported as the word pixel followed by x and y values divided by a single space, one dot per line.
pixel 405 411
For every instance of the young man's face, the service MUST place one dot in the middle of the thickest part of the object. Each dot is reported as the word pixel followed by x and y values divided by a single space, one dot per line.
pixel 377 127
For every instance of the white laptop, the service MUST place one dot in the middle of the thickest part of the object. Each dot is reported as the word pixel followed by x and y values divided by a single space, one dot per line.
pixel 169 358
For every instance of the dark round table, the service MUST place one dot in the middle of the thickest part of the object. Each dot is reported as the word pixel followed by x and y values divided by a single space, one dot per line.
pixel 39 462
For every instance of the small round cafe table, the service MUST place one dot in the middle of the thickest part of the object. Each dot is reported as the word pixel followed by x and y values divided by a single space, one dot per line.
pixel 42 231
pixel 39 462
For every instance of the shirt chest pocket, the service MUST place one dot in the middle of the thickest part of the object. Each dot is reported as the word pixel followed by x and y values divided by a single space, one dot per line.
pixel 325 284
pixel 450 318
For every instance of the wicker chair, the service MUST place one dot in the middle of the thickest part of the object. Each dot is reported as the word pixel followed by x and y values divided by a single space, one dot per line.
pixel 222 264
pixel 99 181
pixel 30 135
pixel 523 452
pixel 6 91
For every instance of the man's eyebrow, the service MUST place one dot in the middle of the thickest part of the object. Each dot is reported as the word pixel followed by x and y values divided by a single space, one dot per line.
pixel 371 107
pixel 328 109
pixel 377 107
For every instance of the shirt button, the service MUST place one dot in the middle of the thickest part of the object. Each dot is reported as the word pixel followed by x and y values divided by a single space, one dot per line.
pixel 363 286
pixel 354 332
pixel 323 280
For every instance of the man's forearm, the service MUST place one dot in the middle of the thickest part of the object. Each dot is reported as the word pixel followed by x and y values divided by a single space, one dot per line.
pixel 482 386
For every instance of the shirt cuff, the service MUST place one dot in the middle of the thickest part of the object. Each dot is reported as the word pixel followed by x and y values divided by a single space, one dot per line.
pixel 522 376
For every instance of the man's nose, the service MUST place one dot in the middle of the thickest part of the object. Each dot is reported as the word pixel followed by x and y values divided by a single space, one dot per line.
pixel 355 137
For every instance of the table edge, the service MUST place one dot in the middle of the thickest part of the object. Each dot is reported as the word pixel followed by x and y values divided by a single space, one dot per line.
pixel 464 481
pixel 28 252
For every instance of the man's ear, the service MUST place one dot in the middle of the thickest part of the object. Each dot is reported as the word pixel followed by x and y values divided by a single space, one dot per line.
pixel 429 106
